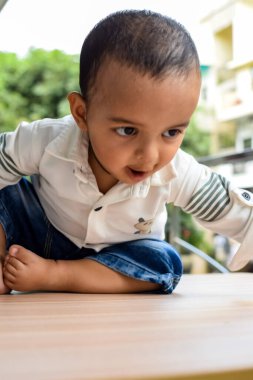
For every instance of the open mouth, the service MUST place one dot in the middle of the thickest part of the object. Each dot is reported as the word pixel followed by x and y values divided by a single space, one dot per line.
pixel 137 174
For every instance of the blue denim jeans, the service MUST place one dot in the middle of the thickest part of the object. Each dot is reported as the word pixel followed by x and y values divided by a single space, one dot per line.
pixel 25 223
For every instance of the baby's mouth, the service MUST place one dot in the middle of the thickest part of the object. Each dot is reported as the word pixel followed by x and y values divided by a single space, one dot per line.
pixel 137 174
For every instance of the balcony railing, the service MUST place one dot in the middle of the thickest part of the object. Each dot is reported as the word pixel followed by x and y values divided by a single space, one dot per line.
pixel 232 158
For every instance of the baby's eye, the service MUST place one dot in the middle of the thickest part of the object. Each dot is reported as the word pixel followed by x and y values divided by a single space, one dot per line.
pixel 171 133
pixel 126 131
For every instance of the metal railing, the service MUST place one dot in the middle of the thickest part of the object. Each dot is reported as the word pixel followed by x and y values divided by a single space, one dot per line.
pixel 203 255
pixel 232 158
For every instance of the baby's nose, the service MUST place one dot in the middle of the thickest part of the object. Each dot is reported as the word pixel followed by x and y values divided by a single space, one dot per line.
pixel 147 153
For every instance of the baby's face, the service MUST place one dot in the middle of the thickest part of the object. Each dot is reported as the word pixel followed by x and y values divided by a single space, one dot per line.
pixel 135 123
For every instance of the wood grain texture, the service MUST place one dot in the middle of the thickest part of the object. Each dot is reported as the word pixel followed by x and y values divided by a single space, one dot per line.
pixel 202 331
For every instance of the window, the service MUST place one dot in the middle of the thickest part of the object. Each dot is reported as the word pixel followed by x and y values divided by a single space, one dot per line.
pixel 247 143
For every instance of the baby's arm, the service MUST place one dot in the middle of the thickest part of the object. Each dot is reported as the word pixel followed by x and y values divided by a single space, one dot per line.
pixel 216 204
pixel 22 149
pixel 26 271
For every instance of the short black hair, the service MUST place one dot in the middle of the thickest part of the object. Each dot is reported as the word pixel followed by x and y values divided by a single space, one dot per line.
pixel 152 43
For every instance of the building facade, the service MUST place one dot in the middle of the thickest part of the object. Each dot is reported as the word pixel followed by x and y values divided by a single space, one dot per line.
pixel 232 27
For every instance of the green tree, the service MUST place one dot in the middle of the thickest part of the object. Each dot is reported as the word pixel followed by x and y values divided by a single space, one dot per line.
pixel 35 86
pixel 11 102
pixel 196 141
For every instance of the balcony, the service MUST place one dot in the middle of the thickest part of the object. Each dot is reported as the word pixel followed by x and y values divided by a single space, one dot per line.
pixel 234 98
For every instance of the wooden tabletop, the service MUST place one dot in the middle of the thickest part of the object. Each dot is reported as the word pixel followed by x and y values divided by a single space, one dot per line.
pixel 202 331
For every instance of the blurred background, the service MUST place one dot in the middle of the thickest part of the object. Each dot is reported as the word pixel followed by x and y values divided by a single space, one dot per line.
pixel 39 54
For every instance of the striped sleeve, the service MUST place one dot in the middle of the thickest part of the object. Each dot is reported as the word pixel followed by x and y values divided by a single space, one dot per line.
pixel 210 200
pixel 6 162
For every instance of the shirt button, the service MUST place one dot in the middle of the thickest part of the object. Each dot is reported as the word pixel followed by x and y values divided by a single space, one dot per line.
pixel 98 208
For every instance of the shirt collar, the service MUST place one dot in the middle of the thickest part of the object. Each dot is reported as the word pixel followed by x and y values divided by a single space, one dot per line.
pixel 160 178
pixel 165 175
pixel 71 144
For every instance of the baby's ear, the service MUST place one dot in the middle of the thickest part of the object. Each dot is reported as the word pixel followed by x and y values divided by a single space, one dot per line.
pixel 78 109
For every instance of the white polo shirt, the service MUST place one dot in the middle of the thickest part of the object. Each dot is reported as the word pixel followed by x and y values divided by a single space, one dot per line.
pixel 55 154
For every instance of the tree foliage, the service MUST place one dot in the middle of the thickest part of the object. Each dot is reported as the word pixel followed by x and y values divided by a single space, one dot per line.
pixel 35 86
pixel 196 141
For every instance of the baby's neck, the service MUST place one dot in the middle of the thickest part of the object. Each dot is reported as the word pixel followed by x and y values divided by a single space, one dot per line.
pixel 105 181
pixel 105 184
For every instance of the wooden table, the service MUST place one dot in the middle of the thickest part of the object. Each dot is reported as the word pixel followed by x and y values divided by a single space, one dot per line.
pixel 202 331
